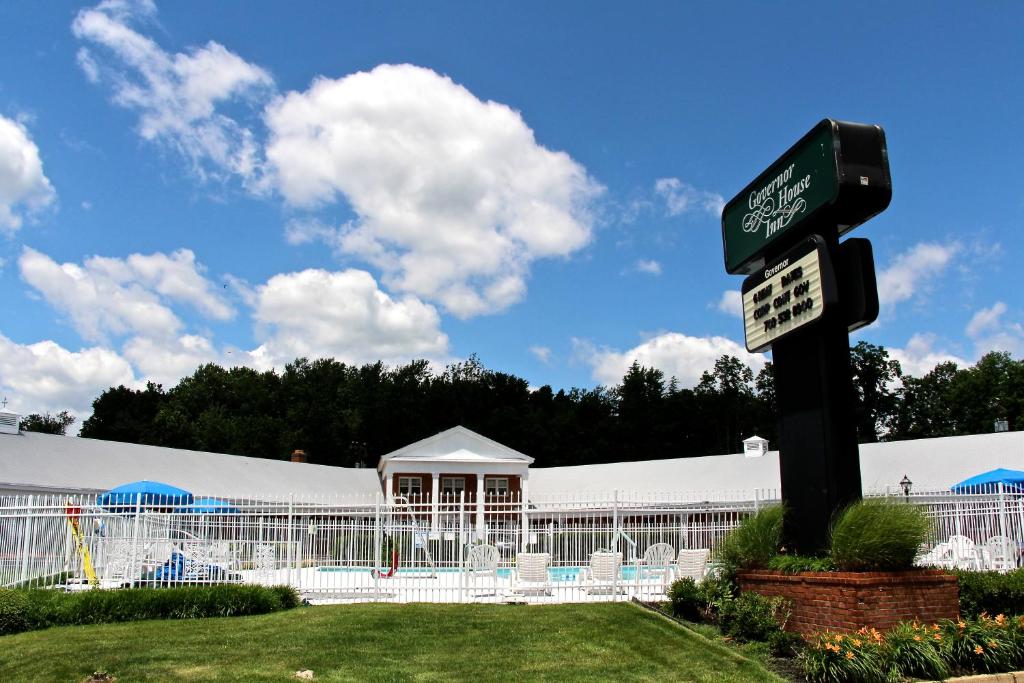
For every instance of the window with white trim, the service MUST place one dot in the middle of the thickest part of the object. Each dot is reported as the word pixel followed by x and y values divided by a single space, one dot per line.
pixel 410 486
pixel 496 486
pixel 453 485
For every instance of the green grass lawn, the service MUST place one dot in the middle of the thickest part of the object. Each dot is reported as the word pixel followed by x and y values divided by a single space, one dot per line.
pixel 613 642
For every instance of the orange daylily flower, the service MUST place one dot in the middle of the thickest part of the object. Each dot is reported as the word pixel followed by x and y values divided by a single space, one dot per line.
pixel 978 649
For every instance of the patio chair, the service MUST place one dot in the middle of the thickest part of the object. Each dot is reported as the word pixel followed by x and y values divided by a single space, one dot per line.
pixel 657 563
pixel 1000 553
pixel 603 572
pixel 965 553
pixel 532 573
pixel 692 563
pixel 482 562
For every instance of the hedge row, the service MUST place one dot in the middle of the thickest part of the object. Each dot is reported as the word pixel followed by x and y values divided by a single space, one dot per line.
pixel 26 610
pixel 991 592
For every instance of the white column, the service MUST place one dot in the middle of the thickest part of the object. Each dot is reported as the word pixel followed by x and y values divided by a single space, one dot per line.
pixel 480 505
pixel 435 491
pixel 389 491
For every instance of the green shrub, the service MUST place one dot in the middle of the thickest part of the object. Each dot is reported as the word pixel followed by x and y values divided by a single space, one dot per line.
pixel 793 564
pixel 914 650
pixel 686 599
pixel 878 535
pixel 836 658
pixel 785 644
pixel 753 617
pixel 14 608
pixel 715 592
pixel 45 608
pixel 991 592
pixel 754 542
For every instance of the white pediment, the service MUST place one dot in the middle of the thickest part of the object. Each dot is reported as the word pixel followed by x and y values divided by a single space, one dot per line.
pixel 457 444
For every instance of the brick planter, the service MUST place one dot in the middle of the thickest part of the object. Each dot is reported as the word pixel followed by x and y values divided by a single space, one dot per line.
pixel 846 601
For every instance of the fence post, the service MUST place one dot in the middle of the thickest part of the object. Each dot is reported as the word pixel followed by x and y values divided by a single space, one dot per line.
pixel 289 555
pixel 28 539
pixel 462 545
pixel 375 555
pixel 1002 526
pixel 133 557
pixel 615 537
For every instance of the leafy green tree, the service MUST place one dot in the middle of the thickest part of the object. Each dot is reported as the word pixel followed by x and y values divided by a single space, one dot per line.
pixel 876 382
pixel 123 414
pixel 46 423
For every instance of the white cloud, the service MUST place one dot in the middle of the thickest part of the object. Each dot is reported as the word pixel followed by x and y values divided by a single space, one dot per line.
pixel 165 361
pixel 914 269
pixel 675 354
pixel 731 303
pixel 316 313
pixel 920 356
pixel 680 197
pixel 990 332
pixel 118 296
pixel 454 198
pixel 24 188
pixel 542 353
pixel 45 377
pixel 176 95
pixel 650 267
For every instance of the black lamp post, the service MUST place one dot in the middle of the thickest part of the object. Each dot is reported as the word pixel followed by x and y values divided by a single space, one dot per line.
pixel 905 484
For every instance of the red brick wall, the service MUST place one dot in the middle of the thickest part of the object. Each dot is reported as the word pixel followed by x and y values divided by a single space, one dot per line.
pixel 846 601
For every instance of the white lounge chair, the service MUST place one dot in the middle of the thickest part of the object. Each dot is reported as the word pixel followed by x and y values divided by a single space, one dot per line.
pixel 657 564
pixel 482 563
pixel 603 572
pixel 959 552
pixel 692 563
pixel 532 573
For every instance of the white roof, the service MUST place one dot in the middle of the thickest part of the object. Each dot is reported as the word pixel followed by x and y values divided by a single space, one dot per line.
pixel 457 444
pixel 32 461
pixel 929 463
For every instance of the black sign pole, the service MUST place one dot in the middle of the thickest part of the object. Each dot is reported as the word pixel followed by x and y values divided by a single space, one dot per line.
pixel 819 464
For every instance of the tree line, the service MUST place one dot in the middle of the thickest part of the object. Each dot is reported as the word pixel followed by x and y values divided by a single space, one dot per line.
pixel 345 415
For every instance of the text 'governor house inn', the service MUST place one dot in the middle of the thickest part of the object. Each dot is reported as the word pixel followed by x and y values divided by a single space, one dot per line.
pixel 433 475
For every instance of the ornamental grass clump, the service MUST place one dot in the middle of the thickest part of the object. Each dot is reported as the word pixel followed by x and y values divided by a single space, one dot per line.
pixel 754 542
pixel 878 535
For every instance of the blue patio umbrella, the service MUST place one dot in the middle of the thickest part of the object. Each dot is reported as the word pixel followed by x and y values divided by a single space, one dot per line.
pixel 208 506
pixel 144 493
pixel 1013 480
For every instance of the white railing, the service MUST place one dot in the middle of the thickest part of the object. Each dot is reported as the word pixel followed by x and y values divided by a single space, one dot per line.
pixel 412 549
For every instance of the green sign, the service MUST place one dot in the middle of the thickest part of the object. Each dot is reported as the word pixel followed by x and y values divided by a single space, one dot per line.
pixel 803 180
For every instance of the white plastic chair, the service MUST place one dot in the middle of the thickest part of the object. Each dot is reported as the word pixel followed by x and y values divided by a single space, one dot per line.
pixel 1000 553
pixel 657 563
pixel 603 573
pixel 482 563
pixel 532 573
pixel 692 563
pixel 965 553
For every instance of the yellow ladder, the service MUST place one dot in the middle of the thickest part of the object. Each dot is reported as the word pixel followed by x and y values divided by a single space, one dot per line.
pixel 80 546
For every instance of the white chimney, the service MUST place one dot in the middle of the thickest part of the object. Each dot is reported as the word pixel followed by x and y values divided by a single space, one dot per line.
pixel 8 421
pixel 755 446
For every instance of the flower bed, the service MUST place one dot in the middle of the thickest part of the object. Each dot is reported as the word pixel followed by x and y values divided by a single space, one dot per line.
pixel 847 601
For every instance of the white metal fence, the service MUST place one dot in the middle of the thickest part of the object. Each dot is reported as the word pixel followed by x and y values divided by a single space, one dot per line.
pixel 457 549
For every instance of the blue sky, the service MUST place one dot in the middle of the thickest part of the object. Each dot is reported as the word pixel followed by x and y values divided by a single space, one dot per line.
pixel 540 185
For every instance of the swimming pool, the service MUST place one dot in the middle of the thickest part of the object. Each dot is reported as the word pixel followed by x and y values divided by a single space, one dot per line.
pixel 556 574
